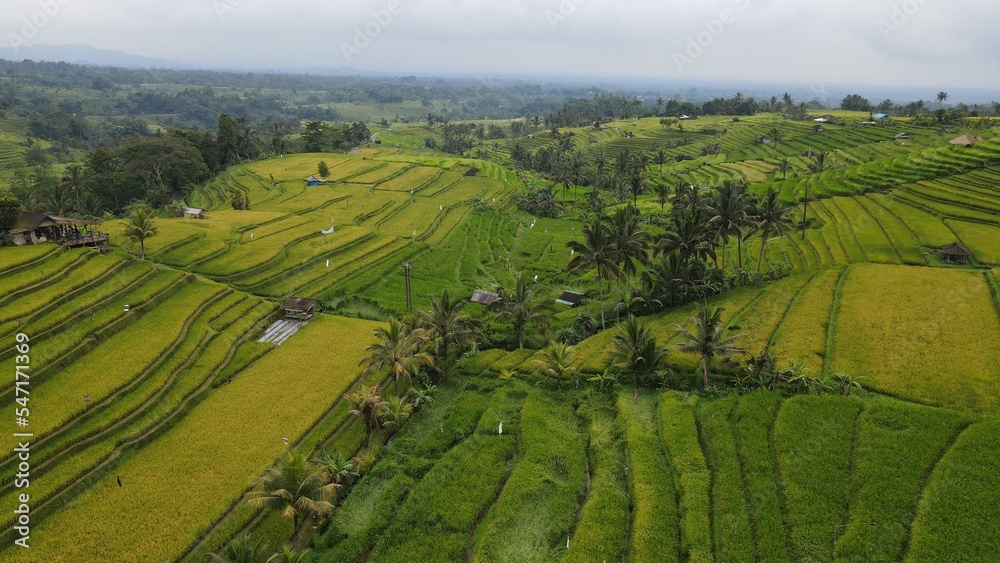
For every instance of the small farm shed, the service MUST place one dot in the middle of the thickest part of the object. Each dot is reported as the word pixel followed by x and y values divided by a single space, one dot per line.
pixel 955 253
pixel 819 129
pixel 194 213
pixel 966 140
pixel 487 298
pixel 571 299
pixel 881 116
pixel 36 228
pixel 314 181
pixel 472 172
pixel 903 136
pixel 299 308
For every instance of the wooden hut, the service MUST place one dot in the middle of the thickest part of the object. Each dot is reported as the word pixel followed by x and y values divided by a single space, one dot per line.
pixel 194 213
pixel 314 181
pixel 487 298
pixel 36 228
pixel 472 172
pixel 299 308
pixel 966 140
pixel 571 299
pixel 955 253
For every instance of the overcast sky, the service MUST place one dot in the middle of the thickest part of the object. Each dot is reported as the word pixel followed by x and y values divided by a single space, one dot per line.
pixel 927 43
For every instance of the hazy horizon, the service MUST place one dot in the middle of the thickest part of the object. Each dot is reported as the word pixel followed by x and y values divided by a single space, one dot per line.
pixel 905 44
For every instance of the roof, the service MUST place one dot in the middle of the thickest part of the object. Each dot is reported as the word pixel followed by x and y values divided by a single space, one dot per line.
pixel 902 136
pixel 570 298
pixel 881 116
pixel 955 249
pixel 484 297
pixel 312 179
pixel 966 140
pixel 298 304
pixel 193 211
pixel 472 171
pixel 32 221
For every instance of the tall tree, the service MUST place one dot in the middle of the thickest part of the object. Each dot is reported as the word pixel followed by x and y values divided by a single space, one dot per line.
pixel 397 352
pixel 706 339
pixel 596 251
pixel 523 309
pixel 139 226
pixel 366 405
pixel 942 97
pixel 295 487
pixel 637 351
pixel 446 326
pixel 228 140
pixel 729 213
pixel 772 216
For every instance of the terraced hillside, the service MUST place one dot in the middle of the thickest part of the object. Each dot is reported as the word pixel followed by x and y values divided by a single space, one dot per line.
pixel 673 478
pixel 176 394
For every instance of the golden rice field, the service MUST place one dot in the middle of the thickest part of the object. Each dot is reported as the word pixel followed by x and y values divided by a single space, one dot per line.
pixel 928 335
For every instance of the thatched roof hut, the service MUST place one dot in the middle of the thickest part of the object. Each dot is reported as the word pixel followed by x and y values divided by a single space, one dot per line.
pixel 955 253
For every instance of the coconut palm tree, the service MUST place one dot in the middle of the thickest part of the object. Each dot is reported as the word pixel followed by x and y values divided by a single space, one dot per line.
pixel 629 241
pixel 729 213
pixel 295 487
pixel 688 233
pixel 637 351
pixel 942 97
pixel 555 362
pixel 595 252
pixel 398 352
pixel 366 405
pixel 772 215
pixel 395 413
pixel 139 226
pixel 777 136
pixel 288 554
pixel 784 167
pixel 522 309
pixel 706 339
pixel 244 548
pixel 446 326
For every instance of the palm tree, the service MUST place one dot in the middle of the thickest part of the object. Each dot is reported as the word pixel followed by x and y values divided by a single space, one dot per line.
pixel 637 351
pixel 688 233
pixel 366 405
pixel 784 166
pixel 555 362
pixel 244 548
pixel 772 215
pixel 942 97
pixel 289 554
pixel 295 487
pixel 706 340
pixel 729 213
pixel 75 182
pixel 522 309
pixel 395 413
pixel 597 252
pixel 777 136
pixel 140 226
pixel 629 241
pixel 446 326
pixel 662 192
pixel 398 352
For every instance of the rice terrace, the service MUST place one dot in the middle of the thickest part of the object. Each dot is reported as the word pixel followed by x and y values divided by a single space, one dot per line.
pixel 280 318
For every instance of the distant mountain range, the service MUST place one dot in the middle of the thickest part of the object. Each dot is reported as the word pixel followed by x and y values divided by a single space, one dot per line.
pixel 84 55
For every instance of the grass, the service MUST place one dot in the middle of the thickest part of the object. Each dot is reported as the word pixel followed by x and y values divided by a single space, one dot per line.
pixel 536 510
pixel 752 421
pixel 958 517
pixel 814 436
pixel 655 532
pixel 680 435
pixel 602 531
pixel 898 445
pixel 802 335
pixel 981 239
pixel 190 456
pixel 899 328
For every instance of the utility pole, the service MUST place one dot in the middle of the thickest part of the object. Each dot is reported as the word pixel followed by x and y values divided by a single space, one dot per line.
pixel 409 301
